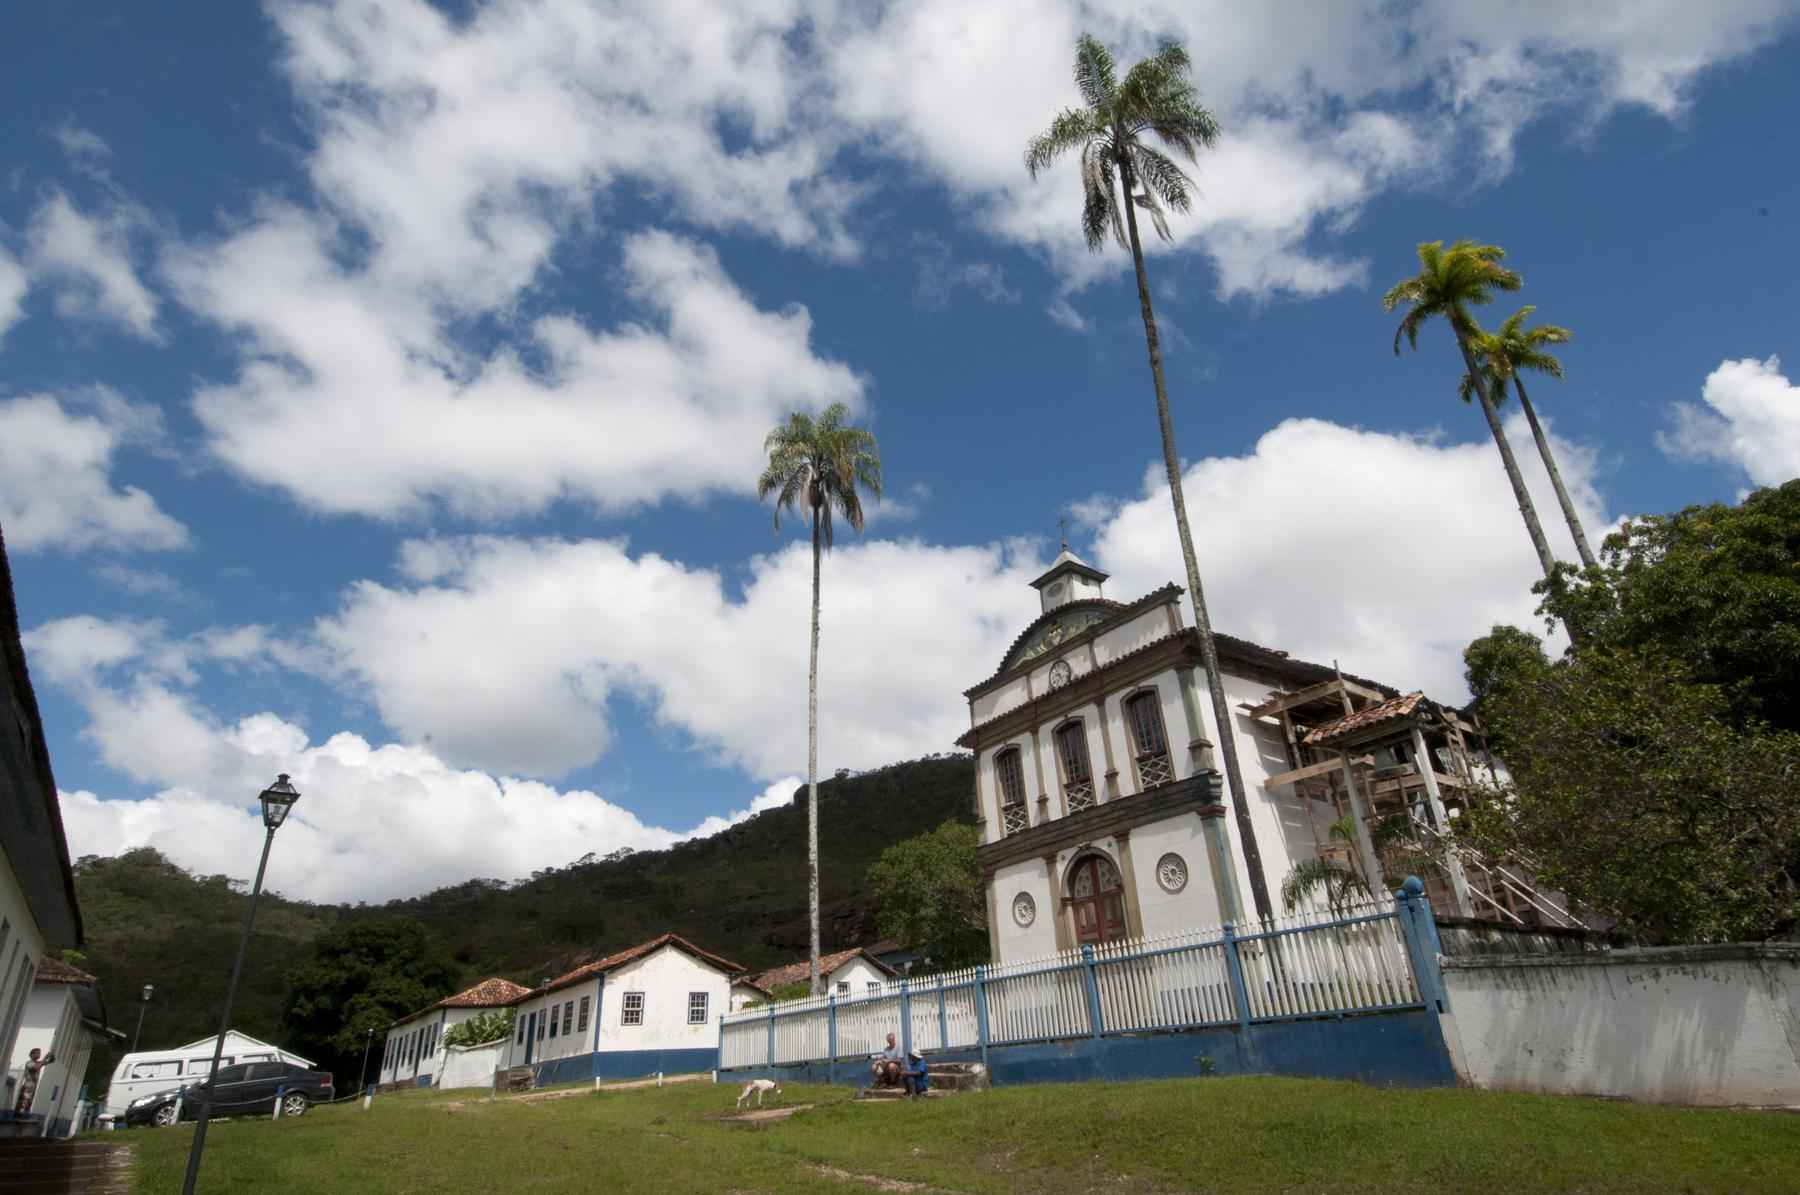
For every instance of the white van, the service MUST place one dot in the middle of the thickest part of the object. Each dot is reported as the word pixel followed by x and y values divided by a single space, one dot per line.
pixel 149 1071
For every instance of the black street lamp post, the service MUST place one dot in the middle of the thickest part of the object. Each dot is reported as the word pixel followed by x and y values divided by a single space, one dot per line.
pixel 149 990
pixel 362 1080
pixel 276 800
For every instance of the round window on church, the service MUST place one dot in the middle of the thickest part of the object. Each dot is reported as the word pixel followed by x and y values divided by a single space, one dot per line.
pixel 1171 872
pixel 1024 909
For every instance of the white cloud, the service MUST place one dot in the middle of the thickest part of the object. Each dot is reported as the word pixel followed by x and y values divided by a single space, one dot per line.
pixel 678 405
pixel 559 629
pixel 358 800
pixel 88 262
pixel 1751 420
pixel 1320 103
pixel 55 485
pixel 1386 552
pixel 14 282
pixel 1064 313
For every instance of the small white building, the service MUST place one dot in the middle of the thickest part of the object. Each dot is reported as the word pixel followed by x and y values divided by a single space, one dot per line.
pixel 38 911
pixel 65 1019
pixel 846 972
pixel 652 1008
pixel 414 1053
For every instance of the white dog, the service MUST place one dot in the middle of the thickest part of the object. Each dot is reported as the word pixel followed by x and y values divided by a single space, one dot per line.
pixel 757 1087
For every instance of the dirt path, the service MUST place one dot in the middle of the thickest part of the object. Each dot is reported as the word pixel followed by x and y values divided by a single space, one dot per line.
pixel 876 1182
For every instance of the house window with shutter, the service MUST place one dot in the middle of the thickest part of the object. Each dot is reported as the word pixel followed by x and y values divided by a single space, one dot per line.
pixel 1009 776
pixel 632 1012
pixel 1078 774
pixel 582 1015
pixel 1150 745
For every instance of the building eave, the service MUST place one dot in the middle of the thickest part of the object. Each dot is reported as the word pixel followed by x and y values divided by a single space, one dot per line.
pixel 31 827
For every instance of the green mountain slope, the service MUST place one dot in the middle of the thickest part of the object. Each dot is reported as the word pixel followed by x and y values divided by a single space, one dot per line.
pixel 740 893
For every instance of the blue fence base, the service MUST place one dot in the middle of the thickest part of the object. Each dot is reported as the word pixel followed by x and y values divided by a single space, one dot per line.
pixel 1404 1048
pixel 622 1064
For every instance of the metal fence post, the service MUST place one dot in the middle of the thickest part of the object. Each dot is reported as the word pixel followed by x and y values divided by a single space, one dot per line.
pixel 771 1034
pixel 1419 927
pixel 1093 990
pixel 981 1012
pixel 943 1018
pixel 905 1018
pixel 831 1050
pixel 1234 966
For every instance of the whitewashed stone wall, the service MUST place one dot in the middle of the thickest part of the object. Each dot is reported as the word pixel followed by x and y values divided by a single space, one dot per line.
pixel 1681 1025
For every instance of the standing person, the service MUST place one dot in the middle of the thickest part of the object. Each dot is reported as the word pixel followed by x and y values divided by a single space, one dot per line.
pixel 886 1067
pixel 29 1084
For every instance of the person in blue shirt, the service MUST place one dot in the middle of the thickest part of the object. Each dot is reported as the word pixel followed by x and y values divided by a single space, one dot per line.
pixel 916 1076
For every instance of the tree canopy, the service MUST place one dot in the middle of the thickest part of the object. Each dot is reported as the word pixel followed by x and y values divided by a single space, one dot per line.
pixel 364 975
pixel 1655 773
pixel 933 897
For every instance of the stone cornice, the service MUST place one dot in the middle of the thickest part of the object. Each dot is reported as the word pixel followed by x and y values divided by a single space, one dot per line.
pixel 1090 688
pixel 1199 793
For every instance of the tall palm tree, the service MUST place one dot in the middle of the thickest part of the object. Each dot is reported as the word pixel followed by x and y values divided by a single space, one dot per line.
pixel 815 468
pixel 1448 283
pixel 1506 353
pixel 1155 97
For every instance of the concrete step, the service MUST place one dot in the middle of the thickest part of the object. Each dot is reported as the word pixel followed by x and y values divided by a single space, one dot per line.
pixel 889 1094
pixel 39 1167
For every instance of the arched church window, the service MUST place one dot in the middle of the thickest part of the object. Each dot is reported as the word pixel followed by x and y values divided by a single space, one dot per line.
pixel 1078 774
pixel 1143 712
pixel 1009 774
pixel 1097 900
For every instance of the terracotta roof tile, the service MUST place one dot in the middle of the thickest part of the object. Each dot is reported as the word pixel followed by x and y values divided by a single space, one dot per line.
pixel 56 971
pixel 613 962
pixel 799 972
pixel 1397 707
pixel 489 993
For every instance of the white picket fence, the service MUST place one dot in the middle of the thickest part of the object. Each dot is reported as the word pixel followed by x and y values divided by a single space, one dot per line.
pixel 1315 964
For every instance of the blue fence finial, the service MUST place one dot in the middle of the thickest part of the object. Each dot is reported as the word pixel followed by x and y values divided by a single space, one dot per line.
pixel 1413 886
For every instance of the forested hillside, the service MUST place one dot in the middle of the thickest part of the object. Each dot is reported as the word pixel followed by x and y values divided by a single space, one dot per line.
pixel 740 893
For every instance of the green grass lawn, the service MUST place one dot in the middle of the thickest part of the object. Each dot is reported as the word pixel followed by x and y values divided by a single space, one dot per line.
pixel 1237 1134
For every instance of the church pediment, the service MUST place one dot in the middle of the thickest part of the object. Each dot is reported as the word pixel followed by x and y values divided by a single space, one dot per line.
pixel 1061 625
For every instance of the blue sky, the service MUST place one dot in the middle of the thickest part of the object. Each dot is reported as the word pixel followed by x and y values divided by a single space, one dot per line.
pixel 383 384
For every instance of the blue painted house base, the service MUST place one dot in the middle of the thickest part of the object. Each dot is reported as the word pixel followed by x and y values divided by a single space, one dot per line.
pixel 1404 1048
pixel 622 1064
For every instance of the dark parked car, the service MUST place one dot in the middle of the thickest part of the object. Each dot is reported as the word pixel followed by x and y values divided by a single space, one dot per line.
pixel 245 1089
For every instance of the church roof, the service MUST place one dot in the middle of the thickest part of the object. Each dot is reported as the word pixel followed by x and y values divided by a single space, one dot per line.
pixel 1067 562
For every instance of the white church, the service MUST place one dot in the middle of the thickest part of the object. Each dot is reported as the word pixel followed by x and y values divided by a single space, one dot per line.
pixel 1101 807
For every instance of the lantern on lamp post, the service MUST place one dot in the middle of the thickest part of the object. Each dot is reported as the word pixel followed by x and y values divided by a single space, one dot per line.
pixel 276 800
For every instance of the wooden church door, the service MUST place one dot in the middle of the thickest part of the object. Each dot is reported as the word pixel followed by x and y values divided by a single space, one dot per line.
pixel 1097 899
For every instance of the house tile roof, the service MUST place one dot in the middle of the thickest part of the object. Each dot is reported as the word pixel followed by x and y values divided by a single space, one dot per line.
pixel 800 971
pixel 52 970
pixel 1387 711
pixel 613 962
pixel 493 992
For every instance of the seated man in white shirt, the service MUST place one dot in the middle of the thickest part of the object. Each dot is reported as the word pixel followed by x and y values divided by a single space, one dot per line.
pixel 885 1069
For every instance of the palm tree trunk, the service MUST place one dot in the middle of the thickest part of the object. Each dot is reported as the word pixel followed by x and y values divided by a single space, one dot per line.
pixel 1562 493
pixel 812 772
pixel 1209 655
pixel 1526 509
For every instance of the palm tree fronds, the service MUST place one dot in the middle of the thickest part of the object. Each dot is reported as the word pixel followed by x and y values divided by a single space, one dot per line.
pixel 1100 207
pixel 1072 127
pixel 1162 176
pixel 1094 71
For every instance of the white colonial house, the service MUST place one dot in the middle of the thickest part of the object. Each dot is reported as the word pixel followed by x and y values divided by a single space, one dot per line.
pixel 846 972
pixel 1098 792
pixel 654 1007
pixel 65 1019
pixel 38 911
pixel 413 1051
